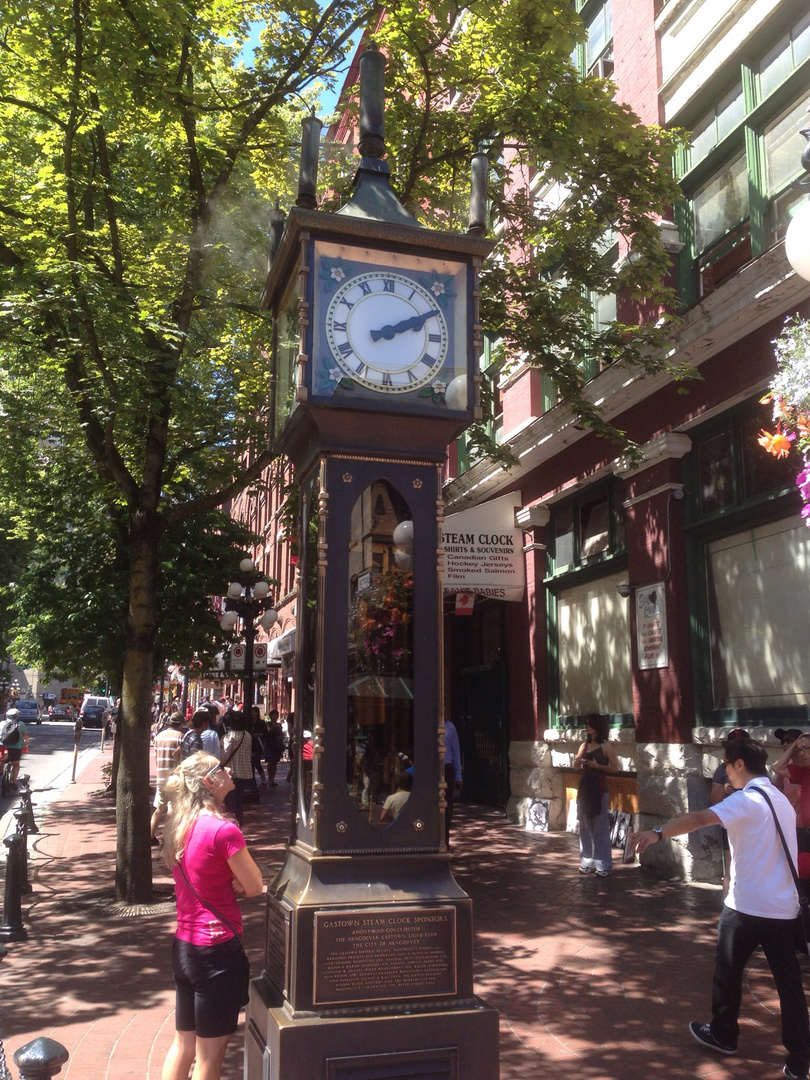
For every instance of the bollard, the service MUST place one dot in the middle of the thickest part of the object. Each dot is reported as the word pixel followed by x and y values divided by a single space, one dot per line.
pixel 40 1059
pixel 25 885
pixel 12 928
pixel 27 807
pixel 4 1073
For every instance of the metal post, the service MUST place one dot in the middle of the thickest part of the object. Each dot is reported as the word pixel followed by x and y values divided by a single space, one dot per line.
pixel 40 1059
pixel 27 808
pixel 25 885
pixel 12 928
pixel 77 738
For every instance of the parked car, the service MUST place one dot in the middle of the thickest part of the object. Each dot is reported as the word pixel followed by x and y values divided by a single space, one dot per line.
pixel 29 712
pixel 92 711
pixel 60 712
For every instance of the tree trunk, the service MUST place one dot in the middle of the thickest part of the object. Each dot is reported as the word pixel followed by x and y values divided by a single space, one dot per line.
pixel 133 868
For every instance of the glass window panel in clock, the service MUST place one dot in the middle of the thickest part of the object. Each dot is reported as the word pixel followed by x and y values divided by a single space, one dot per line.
pixel 390 328
pixel 379 760
pixel 307 642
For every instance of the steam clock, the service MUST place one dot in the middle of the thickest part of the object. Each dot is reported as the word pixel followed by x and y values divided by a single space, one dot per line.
pixel 368 966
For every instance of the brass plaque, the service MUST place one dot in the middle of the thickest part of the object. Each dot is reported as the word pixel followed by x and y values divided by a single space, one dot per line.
pixel 278 944
pixel 383 954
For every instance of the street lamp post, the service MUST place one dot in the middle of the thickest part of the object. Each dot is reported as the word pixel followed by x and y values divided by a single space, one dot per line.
pixel 247 600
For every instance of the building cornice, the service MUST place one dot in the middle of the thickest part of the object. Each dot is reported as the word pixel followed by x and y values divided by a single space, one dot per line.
pixel 760 292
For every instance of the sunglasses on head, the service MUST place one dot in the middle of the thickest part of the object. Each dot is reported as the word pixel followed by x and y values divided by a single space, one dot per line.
pixel 215 769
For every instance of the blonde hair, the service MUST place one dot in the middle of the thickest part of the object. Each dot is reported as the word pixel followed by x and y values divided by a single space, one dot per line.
pixel 188 797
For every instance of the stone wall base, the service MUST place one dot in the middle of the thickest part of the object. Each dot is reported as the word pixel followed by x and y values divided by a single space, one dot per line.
pixel 671 778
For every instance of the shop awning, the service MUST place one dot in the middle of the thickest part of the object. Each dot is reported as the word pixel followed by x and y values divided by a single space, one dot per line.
pixel 281 646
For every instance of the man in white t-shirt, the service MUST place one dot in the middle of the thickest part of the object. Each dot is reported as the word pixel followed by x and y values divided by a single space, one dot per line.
pixel 760 908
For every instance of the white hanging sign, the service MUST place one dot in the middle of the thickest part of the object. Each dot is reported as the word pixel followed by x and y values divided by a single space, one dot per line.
pixel 237 657
pixel 651 627
pixel 483 551
pixel 260 654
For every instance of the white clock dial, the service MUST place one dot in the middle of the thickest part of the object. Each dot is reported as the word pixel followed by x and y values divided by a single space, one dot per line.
pixel 387 332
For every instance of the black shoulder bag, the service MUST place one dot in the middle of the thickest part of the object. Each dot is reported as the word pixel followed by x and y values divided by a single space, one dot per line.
pixel 231 927
pixel 803 918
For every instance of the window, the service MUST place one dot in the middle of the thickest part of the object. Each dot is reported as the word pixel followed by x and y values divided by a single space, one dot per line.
pixel 599 46
pixel 588 529
pixel 786 55
pixel 716 124
pixel 731 469
pixel 721 204
pixel 759 593
pixel 743 156
pixel 593 632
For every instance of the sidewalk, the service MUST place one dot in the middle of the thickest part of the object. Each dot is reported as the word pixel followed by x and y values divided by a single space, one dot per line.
pixel 593 978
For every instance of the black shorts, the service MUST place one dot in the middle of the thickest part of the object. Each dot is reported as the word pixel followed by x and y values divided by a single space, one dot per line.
pixel 14 753
pixel 209 982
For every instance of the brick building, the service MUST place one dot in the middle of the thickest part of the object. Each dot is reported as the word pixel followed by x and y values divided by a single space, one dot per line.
pixel 670 595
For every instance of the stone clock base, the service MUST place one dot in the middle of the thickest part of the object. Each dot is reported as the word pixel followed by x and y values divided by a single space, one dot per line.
pixel 451 1044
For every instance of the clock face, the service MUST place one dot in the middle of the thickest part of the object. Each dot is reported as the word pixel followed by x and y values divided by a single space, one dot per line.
pixel 389 326
pixel 387 331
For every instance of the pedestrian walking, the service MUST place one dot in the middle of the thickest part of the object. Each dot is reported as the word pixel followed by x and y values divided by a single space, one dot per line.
pixel 595 759
pixel 760 908
pixel 167 755
pixel 237 748
pixel 209 860
pixel 452 775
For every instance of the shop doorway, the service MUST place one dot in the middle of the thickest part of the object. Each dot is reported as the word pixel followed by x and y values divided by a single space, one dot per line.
pixel 483 731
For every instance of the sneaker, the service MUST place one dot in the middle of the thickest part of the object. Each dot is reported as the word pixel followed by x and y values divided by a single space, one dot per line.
pixel 586 870
pixel 703 1034
pixel 603 873
pixel 789 1075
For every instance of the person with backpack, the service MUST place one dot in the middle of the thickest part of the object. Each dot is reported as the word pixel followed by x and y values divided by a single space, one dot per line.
pixel 192 741
pixel 14 737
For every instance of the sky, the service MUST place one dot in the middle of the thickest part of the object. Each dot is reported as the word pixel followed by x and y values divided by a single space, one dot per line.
pixel 328 97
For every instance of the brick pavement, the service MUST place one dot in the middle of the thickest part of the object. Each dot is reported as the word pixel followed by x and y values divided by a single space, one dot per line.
pixel 593 978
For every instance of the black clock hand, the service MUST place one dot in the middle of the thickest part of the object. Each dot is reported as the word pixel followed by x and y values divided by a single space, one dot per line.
pixel 416 322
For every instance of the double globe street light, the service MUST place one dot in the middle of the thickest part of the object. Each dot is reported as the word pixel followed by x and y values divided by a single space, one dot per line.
pixel 247 604
pixel 797 237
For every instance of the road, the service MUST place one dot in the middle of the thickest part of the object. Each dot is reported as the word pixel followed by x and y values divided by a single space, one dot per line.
pixel 49 763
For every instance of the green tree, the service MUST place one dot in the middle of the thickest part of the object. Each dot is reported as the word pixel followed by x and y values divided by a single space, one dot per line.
pixel 139 155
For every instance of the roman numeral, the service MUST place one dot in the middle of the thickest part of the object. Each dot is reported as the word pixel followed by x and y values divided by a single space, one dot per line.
pixel 386 379
pixel 349 303
pixel 361 370
pixel 411 376
pixel 431 337
pixel 365 288
pixel 339 326
pixel 345 349
pixel 388 285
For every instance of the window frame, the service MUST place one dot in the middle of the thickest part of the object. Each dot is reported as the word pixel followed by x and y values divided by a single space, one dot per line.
pixel 768 212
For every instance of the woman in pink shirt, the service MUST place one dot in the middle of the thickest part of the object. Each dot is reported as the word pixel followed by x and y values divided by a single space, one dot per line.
pixel 206 852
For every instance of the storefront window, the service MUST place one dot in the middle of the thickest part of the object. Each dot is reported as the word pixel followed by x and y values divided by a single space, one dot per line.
pixel 759 593
pixel 594 648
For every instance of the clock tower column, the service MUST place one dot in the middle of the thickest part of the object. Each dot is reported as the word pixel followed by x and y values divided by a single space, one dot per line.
pixel 368 966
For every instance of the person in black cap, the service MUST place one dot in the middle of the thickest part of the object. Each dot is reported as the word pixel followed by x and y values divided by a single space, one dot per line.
pixel 721 789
